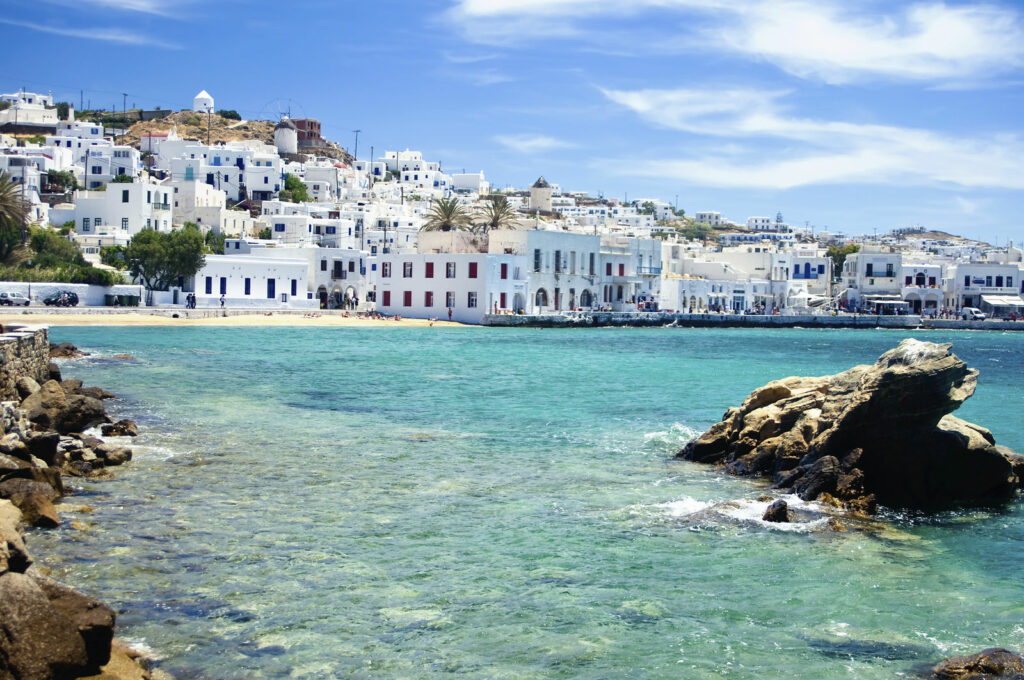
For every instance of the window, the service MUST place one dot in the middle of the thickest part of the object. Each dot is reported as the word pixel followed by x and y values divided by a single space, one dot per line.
pixel 988 280
pixel 471 300
pixel 386 298
pixel 385 270
pixel 591 264
pixel 999 281
pixel 907 280
pixel 607 268
pixel 124 223
pixel 295 287
pixel 407 298
pixel 279 227
pixel 271 288
pixel 622 269
pixel 967 281
pixel 449 299
pixel 407 271
pixel 124 195
pixel 351 265
pixel 248 286
pixel 472 270
pixel 449 270
pixel 428 299
pixel 558 261
pixel 323 265
pixel 536 259
pixel 504 301
pixel 149 197
pixel 504 271
pixel 223 285
pixel 331 230
pixel 931 281
pixel 1009 281
pixel 890 270
pixel 209 285
pixel 428 270
pixel 869 269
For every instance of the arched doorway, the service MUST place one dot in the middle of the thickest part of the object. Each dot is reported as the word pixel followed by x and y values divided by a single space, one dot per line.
pixel 618 296
pixel 518 303
pixel 919 279
pixel 321 295
pixel 586 298
pixel 541 299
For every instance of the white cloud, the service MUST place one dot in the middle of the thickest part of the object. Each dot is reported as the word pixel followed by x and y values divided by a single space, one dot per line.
pixel 827 40
pixel 966 206
pixel 160 7
pixel 528 143
pixel 114 35
pixel 817 151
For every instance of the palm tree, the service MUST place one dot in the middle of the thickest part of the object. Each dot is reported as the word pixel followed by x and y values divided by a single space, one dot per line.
pixel 446 214
pixel 498 214
pixel 13 214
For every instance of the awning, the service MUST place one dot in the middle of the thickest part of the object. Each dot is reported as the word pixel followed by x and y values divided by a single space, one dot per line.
pixel 1003 300
pixel 883 298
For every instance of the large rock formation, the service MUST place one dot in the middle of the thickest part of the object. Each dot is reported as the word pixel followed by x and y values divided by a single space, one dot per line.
pixel 881 433
pixel 991 664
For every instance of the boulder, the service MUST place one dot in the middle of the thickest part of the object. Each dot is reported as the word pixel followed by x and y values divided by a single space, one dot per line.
pixel 34 499
pixel 47 475
pixel 93 619
pixel 36 641
pixel 778 511
pixel 13 542
pixel 80 413
pixel 991 664
pixel 113 455
pixel 11 463
pixel 71 385
pixel 122 428
pixel 96 393
pixel 26 386
pixel 44 406
pixel 65 350
pixel 54 371
pixel 13 445
pixel 43 445
pixel 882 433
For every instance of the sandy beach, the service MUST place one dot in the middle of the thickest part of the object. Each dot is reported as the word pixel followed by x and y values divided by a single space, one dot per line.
pixel 200 318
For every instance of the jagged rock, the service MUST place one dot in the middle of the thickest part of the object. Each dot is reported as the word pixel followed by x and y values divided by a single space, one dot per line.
pixel 778 511
pixel 122 428
pixel 80 414
pixel 96 393
pixel 66 350
pixel 991 664
pixel 47 475
pixel 13 445
pixel 872 434
pixel 11 463
pixel 71 385
pixel 36 641
pixel 54 370
pixel 25 386
pixel 43 445
pixel 113 455
pixel 34 499
pixel 45 405
pixel 93 619
pixel 13 542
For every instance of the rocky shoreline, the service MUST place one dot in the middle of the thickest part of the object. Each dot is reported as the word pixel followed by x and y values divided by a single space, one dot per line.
pixel 48 629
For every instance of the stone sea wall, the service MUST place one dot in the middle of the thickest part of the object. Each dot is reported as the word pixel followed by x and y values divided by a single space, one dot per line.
pixel 594 319
pixel 23 352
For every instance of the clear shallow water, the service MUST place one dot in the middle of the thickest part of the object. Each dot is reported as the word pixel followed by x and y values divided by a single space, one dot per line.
pixel 407 503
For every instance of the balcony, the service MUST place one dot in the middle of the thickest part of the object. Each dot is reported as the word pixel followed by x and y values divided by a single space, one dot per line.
pixel 648 271
pixel 161 206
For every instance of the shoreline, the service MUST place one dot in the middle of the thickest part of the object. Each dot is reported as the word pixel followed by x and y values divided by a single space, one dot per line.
pixel 217 317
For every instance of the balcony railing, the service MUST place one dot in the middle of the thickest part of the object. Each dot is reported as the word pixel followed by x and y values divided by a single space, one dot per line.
pixel 652 271
pixel 161 206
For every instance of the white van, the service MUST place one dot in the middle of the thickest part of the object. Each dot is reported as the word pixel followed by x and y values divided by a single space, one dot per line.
pixel 972 314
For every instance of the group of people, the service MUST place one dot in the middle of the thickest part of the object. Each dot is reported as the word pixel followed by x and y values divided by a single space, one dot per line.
pixel 190 301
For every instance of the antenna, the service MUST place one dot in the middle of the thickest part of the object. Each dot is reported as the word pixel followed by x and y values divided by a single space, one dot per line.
pixel 355 153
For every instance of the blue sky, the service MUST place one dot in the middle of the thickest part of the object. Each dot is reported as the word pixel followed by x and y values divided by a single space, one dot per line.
pixel 884 115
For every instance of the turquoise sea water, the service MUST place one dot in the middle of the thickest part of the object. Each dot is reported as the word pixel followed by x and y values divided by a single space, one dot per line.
pixel 487 503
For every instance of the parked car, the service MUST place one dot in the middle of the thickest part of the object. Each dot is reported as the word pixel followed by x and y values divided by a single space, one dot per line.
pixel 14 299
pixel 62 298
pixel 972 314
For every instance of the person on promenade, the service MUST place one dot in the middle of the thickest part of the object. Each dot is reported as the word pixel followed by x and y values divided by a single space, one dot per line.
pixel 449 313
pixel 222 302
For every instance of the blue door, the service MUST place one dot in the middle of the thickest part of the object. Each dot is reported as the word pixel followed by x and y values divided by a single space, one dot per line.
pixel 271 292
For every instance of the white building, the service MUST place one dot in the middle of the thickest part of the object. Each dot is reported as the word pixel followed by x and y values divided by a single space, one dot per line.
pixel 124 209
pixel 252 282
pixel 562 269
pixel 871 280
pixel 711 218
pixel 202 102
pixel 428 285
pixel 991 286
pixel 28 110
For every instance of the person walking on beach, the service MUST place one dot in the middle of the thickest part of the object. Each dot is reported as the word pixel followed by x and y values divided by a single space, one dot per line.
pixel 222 302
pixel 449 313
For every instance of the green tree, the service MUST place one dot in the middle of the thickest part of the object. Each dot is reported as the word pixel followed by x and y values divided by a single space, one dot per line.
pixel 446 214
pixel 53 250
pixel 214 243
pixel 839 254
pixel 294 189
pixel 648 208
pixel 62 178
pixel 698 231
pixel 264 234
pixel 122 179
pixel 159 258
pixel 229 114
pixel 62 110
pixel 113 256
pixel 497 214
pixel 13 215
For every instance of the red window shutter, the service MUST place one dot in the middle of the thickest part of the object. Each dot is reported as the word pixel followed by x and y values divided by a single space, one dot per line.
pixel 407 298
pixel 622 269
pixel 472 270
pixel 503 298
pixel 429 270
pixel 607 268
pixel 387 298
pixel 504 275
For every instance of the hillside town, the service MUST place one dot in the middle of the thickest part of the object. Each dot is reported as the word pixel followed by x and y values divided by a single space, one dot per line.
pixel 295 225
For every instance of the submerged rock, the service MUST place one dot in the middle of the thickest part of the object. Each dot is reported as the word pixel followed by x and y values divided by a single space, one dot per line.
pixel 778 511
pixel 872 434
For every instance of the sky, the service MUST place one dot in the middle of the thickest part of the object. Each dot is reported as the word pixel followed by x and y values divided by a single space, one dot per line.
pixel 851 117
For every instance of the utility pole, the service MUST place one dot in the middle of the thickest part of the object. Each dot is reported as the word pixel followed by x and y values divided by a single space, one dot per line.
pixel 81 99
pixel 209 118
pixel 369 172
pixel 355 153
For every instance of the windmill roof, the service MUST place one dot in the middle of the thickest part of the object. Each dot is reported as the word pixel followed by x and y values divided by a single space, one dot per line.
pixel 203 93
pixel 541 183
